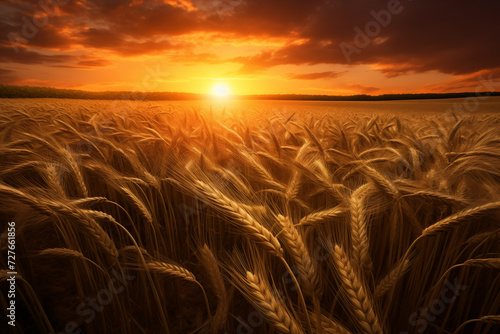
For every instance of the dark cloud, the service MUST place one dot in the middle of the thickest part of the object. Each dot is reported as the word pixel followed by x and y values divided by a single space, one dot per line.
pixel 314 76
pixel 309 53
pixel 50 38
pixel 94 63
pixel 120 43
pixel 145 19
pixel 449 36
pixel 24 56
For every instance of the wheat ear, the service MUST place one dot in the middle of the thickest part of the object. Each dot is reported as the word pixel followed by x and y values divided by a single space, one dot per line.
pixel 170 269
pixel 90 201
pixel 265 302
pixel 76 170
pixel 53 208
pixel 380 181
pixel 330 326
pixel 357 296
pixel 245 221
pixel 437 197
pixel 459 218
pixel 68 254
pixel 212 269
pixel 453 221
pixel 324 215
pixel 298 251
pixel 390 280
pixel 359 230
pixel 53 180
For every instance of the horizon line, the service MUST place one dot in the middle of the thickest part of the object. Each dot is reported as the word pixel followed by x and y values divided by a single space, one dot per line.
pixel 4 93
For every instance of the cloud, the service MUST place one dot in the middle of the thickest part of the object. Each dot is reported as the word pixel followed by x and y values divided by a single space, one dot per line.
pixel 24 56
pixel 362 89
pixel 481 81
pixel 196 58
pixel 120 43
pixel 314 76
pixel 448 36
pixel 94 63
pixel 7 77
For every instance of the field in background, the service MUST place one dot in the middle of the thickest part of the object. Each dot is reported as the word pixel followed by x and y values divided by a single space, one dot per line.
pixel 150 218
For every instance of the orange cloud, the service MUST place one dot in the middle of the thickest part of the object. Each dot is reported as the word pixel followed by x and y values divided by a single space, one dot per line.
pixel 447 37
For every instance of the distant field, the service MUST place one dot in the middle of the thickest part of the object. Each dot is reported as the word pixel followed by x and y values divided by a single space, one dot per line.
pixel 251 217
pixel 260 109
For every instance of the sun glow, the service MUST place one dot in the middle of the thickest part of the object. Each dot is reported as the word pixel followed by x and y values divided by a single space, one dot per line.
pixel 221 90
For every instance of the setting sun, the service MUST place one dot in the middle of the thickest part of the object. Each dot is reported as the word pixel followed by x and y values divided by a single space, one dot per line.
pixel 221 90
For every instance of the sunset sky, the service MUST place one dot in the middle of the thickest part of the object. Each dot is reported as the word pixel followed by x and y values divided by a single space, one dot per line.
pixel 336 47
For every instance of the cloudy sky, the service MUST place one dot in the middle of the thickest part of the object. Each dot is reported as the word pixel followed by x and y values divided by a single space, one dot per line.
pixel 338 47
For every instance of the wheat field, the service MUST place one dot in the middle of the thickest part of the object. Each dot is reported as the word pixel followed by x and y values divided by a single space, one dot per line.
pixel 165 220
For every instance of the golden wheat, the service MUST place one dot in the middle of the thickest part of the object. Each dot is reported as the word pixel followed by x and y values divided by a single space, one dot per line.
pixel 180 210
pixel 357 296
pixel 267 304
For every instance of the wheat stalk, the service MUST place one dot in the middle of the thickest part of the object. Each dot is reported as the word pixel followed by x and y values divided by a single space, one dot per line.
pixel 301 168
pixel 491 263
pixel 491 319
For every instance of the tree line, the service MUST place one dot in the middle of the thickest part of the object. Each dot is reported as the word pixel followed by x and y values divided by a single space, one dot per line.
pixel 13 91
